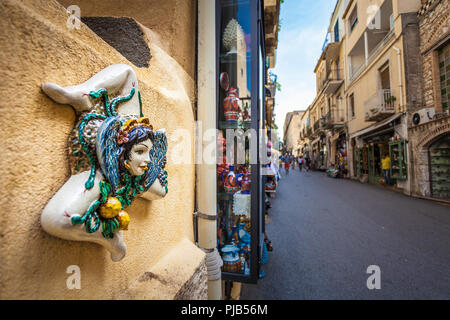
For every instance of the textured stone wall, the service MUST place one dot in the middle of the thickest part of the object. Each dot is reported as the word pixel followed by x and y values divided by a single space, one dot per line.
pixel 434 26
pixel 412 62
pixel 197 287
pixel 420 138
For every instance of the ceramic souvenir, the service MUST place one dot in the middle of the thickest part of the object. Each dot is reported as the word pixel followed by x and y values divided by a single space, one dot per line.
pixel 115 156
pixel 245 183
pixel 244 238
pixel 230 181
pixel 233 36
pixel 231 107
pixel 231 259
pixel 242 204
pixel 246 113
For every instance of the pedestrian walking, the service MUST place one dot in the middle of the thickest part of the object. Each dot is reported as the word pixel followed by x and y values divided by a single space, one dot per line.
pixel 300 163
pixel 307 163
pixel 386 166
pixel 287 165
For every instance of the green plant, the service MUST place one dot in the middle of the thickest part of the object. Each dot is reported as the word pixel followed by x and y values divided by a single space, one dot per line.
pixel 278 86
pixel 390 99
pixel 280 22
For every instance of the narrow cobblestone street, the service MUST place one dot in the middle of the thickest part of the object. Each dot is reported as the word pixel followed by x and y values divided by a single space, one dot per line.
pixel 327 232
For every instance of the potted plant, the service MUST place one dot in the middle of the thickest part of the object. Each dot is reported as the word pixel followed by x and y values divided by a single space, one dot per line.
pixel 390 101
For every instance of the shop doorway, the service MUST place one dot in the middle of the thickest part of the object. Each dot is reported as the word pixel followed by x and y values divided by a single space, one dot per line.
pixel 439 153
pixel 374 160
pixel 375 151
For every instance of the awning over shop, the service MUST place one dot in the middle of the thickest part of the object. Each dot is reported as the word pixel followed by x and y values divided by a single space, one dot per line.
pixel 376 126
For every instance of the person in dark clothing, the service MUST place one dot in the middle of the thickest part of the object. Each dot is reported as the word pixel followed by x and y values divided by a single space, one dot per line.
pixel 307 163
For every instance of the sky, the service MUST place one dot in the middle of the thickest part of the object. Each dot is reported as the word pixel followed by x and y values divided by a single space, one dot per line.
pixel 304 25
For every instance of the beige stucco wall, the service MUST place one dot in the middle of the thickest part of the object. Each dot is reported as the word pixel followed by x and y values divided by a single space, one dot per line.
pixel 367 83
pixel 37 47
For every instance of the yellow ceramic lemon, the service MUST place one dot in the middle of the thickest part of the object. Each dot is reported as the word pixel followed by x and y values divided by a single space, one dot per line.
pixel 110 208
pixel 124 220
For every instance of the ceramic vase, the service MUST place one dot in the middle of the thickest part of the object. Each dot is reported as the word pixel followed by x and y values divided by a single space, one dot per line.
pixel 231 107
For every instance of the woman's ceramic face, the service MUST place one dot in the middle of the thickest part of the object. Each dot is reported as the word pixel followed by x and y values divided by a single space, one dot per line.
pixel 139 157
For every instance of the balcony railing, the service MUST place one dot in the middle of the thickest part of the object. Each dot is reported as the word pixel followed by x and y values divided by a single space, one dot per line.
pixel 333 80
pixel 372 54
pixel 379 106
pixel 334 117
pixel 375 51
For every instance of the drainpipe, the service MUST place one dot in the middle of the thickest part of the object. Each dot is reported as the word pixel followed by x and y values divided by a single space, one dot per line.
pixel 399 57
pixel 205 217
pixel 403 109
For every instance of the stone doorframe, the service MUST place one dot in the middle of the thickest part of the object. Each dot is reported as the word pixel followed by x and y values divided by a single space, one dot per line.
pixel 421 137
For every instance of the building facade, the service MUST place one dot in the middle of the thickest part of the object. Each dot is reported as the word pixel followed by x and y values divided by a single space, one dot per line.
pixel 429 129
pixel 383 83
pixel 291 132
pixel 324 135
pixel 382 90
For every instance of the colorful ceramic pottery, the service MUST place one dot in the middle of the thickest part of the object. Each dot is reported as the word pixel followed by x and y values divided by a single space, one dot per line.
pixel 245 183
pixel 231 259
pixel 231 107
pixel 230 181
pixel 246 113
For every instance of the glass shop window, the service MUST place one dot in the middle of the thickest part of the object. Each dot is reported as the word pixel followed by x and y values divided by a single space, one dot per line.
pixel 234 122
pixel 444 74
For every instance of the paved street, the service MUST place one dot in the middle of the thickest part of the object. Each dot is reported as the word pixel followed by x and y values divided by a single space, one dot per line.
pixel 326 232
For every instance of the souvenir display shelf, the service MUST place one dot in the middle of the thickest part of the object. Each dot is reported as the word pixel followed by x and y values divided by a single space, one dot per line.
pixel 361 156
pixel 240 74
pixel 397 153
pixel 439 154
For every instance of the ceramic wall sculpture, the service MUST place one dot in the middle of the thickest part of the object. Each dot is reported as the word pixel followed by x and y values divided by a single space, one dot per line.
pixel 115 156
